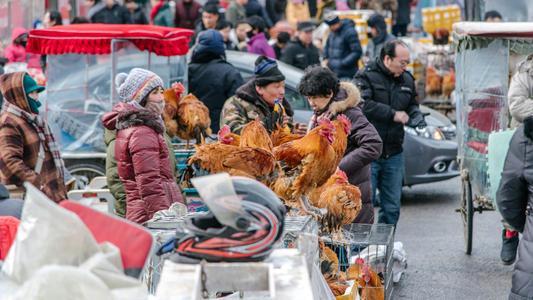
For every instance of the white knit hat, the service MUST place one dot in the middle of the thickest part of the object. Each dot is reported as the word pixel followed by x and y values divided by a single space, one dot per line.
pixel 137 84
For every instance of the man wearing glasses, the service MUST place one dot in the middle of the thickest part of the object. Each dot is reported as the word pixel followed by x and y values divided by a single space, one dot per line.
pixel 388 90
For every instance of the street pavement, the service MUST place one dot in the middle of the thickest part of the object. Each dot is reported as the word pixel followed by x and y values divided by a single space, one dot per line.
pixel 432 234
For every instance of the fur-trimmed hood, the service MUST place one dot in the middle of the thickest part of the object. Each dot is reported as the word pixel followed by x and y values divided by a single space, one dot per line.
pixel 347 97
pixel 126 115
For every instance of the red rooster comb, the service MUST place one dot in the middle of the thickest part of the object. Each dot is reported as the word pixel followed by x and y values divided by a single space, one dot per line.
pixel 178 88
pixel 223 135
pixel 342 175
pixel 346 123
pixel 360 261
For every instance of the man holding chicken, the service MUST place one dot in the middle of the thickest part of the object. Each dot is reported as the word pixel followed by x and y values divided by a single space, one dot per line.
pixel 390 104
pixel 263 98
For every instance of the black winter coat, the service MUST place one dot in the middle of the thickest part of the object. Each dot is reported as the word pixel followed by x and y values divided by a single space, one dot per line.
pixel 385 94
pixel 515 199
pixel 343 50
pixel 116 15
pixel 300 56
pixel 138 17
pixel 213 83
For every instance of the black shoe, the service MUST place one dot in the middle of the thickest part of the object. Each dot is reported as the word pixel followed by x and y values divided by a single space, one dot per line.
pixel 509 246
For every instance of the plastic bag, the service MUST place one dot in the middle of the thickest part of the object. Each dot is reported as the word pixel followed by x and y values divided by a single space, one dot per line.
pixel 41 237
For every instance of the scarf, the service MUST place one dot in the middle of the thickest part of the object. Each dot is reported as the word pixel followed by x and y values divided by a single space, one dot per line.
pixel 43 131
pixel 156 9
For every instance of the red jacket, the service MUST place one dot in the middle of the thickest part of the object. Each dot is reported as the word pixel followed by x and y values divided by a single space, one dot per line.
pixel 143 161
pixel 17 53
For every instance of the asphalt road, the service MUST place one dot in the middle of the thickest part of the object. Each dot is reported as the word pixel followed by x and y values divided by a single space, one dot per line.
pixel 432 234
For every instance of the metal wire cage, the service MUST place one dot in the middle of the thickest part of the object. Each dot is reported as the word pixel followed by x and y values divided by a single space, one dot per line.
pixel 369 246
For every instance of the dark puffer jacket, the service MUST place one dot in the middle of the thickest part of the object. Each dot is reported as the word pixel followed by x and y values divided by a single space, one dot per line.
pixel 213 80
pixel 383 95
pixel 515 200
pixel 364 146
pixel 343 50
pixel 143 161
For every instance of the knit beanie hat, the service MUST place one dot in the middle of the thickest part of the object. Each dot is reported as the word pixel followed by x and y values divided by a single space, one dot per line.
pixel 136 85
pixel 266 71
pixel 210 41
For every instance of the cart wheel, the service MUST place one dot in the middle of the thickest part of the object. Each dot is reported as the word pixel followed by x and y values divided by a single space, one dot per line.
pixel 467 213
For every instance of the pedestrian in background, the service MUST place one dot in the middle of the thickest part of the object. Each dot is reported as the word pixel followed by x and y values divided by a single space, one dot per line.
pixel 211 78
pixel 236 11
pixel 389 94
pixel 136 12
pixel 16 51
pixel 254 8
pixel 403 18
pixel 28 150
pixel 342 50
pixel 143 158
pixel 239 35
pixel 188 12
pixel 224 28
pixel 515 202
pixel 258 43
pixel 108 12
pixel 378 31
pixel 328 97
pixel 161 15
pixel 280 43
pixel 300 52
pixel 493 16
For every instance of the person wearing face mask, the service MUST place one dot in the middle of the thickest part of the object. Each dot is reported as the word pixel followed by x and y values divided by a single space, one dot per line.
pixel 389 94
pixel 143 158
pixel 379 36
pixel 329 98
pixel 16 52
pixel 28 150
pixel 256 99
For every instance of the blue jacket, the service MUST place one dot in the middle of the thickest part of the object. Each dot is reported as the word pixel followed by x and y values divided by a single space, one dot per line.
pixel 343 50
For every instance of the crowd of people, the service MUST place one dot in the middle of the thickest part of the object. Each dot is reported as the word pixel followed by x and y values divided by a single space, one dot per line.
pixel 379 100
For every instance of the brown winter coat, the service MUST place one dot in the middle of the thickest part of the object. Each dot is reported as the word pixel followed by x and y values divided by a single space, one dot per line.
pixel 19 146
pixel 364 146
pixel 143 161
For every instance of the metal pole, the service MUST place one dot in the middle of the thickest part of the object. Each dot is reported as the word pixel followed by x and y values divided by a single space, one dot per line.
pixel 113 92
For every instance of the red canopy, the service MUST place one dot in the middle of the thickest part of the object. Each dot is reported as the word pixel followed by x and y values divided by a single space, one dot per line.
pixel 96 39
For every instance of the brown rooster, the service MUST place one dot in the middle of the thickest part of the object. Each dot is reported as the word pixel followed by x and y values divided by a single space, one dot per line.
pixel 341 199
pixel 329 267
pixel 191 116
pixel 306 163
pixel 367 279
pixel 250 162
pixel 225 136
pixel 433 81
pixel 255 135
pixel 282 135
pixel 448 83
pixel 343 125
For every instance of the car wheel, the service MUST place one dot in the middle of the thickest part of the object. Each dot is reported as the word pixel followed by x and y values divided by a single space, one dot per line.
pixel 84 172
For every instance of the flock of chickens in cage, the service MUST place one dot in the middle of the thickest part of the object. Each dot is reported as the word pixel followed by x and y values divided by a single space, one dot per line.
pixel 301 169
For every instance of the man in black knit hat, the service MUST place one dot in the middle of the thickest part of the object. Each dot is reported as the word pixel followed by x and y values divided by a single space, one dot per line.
pixel 261 97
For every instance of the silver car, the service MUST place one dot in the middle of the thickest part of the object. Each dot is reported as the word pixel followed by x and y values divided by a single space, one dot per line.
pixel 430 154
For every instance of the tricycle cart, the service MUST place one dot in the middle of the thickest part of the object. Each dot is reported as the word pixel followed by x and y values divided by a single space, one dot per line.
pixel 486 57
pixel 83 60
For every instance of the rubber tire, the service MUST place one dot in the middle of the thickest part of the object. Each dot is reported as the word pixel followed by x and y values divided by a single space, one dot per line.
pixel 88 169
pixel 467 214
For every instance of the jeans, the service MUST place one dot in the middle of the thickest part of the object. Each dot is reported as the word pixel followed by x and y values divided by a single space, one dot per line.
pixel 387 177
